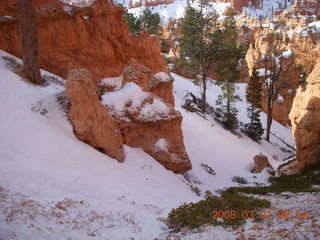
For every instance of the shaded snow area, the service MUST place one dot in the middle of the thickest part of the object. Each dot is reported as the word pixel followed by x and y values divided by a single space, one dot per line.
pixel 115 83
pixel 53 186
pixel 287 53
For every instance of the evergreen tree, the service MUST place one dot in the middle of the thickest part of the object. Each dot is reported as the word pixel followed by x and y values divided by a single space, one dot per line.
pixel 227 68
pixel 134 24
pixel 150 21
pixel 303 75
pixel 200 44
pixel 254 94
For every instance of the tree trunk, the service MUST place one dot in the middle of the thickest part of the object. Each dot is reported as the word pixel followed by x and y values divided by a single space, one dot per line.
pixel 269 122
pixel 29 37
pixel 228 102
pixel 203 93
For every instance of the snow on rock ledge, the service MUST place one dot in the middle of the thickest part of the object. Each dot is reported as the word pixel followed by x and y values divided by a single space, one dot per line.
pixel 132 104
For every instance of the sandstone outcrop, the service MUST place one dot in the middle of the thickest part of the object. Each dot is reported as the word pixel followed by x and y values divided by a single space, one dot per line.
pixel 70 37
pixel 128 114
pixel 91 121
pixel 146 120
pixel 305 119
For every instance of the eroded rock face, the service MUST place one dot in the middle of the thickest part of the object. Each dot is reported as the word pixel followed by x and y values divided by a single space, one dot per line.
pixel 305 119
pixel 130 114
pixel 262 58
pixel 70 37
pixel 146 120
pixel 90 119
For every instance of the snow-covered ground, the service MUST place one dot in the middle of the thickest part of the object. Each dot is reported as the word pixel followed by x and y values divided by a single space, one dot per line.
pixel 175 9
pixel 53 186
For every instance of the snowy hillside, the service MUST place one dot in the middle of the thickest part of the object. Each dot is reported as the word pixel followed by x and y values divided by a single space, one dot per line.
pixel 53 186
pixel 176 9
pixel 267 7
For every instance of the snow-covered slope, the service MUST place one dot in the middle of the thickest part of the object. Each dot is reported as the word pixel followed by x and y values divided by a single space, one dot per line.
pixel 176 9
pixel 267 7
pixel 53 186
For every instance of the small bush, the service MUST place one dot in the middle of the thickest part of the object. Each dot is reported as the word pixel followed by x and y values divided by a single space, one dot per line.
pixel 239 180
pixel 208 169
pixel 196 190
pixel 299 182
pixel 12 63
pixel 193 215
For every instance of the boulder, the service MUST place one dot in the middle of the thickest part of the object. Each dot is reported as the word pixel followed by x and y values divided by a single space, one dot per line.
pixel 260 162
pixel 305 119
pixel 89 118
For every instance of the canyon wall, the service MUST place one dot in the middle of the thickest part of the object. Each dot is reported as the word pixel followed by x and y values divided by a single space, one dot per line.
pixel 305 119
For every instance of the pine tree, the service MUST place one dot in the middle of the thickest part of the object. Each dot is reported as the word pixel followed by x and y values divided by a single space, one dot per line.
pixel 134 24
pixel 227 68
pixel 150 21
pixel 200 43
pixel 254 94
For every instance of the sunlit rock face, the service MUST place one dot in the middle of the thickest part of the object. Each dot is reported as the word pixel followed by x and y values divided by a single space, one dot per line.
pixel 305 119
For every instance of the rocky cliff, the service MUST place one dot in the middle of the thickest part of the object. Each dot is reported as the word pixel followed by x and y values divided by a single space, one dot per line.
pixel 305 119
pixel 94 37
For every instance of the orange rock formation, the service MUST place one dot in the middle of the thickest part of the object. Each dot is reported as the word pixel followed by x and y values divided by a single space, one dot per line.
pixel 305 119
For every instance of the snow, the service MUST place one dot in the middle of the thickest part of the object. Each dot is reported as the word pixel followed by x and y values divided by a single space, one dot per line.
pixel 67 9
pixel 262 72
pixel 287 54
pixel 316 25
pixel 114 82
pixel 280 99
pixel 42 161
pixel 131 92
pixel 161 145
pixel 176 9
pixel 162 77
pixel 130 98
pixel 267 7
